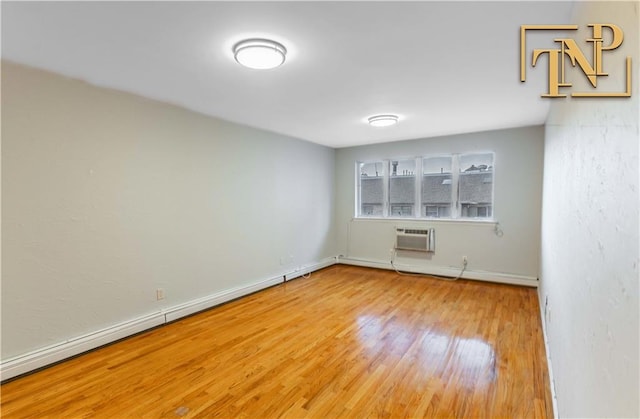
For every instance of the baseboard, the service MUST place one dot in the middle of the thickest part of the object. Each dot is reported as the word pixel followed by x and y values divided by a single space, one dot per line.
pixel 311 268
pixel 200 304
pixel 49 355
pixel 497 277
pixel 43 357
pixel 552 383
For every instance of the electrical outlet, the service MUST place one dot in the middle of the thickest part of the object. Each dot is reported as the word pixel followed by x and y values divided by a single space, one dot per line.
pixel 160 294
pixel 464 260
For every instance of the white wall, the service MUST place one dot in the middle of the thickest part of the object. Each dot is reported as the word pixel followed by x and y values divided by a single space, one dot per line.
pixel 107 196
pixel 590 254
pixel 517 196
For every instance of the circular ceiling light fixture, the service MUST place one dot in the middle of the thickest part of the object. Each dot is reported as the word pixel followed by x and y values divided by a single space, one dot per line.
pixel 383 120
pixel 260 54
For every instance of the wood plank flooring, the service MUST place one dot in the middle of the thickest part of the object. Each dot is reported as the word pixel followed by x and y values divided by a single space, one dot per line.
pixel 347 342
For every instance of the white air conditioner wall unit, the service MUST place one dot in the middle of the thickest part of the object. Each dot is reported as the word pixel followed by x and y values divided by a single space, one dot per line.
pixel 415 240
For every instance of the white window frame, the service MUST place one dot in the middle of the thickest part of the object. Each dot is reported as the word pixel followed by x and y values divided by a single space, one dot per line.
pixel 385 188
pixel 417 192
pixel 456 206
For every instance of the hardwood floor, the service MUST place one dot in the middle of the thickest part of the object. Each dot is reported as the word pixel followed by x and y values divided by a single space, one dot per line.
pixel 347 342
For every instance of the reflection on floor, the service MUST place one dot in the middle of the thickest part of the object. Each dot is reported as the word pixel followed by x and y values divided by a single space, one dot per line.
pixel 348 342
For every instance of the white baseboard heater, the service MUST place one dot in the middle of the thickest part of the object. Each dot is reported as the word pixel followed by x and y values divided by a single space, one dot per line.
pixel 416 240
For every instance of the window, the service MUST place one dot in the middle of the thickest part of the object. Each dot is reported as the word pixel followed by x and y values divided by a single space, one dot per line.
pixel 476 185
pixel 458 186
pixel 402 188
pixel 368 210
pixel 476 211
pixel 401 210
pixel 432 211
pixel 436 187
pixel 371 188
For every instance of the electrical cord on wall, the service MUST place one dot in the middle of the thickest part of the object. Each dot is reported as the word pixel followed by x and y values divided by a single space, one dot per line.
pixel 446 278
pixel 497 230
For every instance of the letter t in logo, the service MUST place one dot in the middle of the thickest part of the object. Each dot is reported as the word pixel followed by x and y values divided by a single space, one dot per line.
pixel 554 82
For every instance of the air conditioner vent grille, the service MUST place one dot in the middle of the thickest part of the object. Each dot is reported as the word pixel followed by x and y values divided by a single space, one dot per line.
pixel 409 231
pixel 415 240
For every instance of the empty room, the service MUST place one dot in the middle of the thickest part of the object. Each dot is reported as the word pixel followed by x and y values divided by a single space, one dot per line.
pixel 320 209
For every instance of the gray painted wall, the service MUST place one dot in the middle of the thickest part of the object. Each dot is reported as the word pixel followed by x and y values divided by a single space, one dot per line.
pixel 107 196
pixel 518 188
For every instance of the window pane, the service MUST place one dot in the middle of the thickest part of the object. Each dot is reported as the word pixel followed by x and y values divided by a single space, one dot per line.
pixel 475 188
pixel 401 210
pixel 371 191
pixel 436 187
pixel 444 212
pixel 402 188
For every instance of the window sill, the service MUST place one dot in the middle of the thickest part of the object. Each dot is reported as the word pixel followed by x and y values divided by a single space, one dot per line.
pixel 483 221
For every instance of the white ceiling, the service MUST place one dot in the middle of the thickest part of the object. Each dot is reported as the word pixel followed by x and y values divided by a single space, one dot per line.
pixel 444 67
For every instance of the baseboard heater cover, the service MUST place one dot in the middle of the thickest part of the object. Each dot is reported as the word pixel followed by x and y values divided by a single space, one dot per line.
pixel 311 268
pixel 43 357
pixel 49 355
pixel 497 277
pixel 204 303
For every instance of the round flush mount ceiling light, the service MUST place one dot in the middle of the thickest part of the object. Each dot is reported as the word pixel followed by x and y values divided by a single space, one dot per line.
pixel 260 54
pixel 383 120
